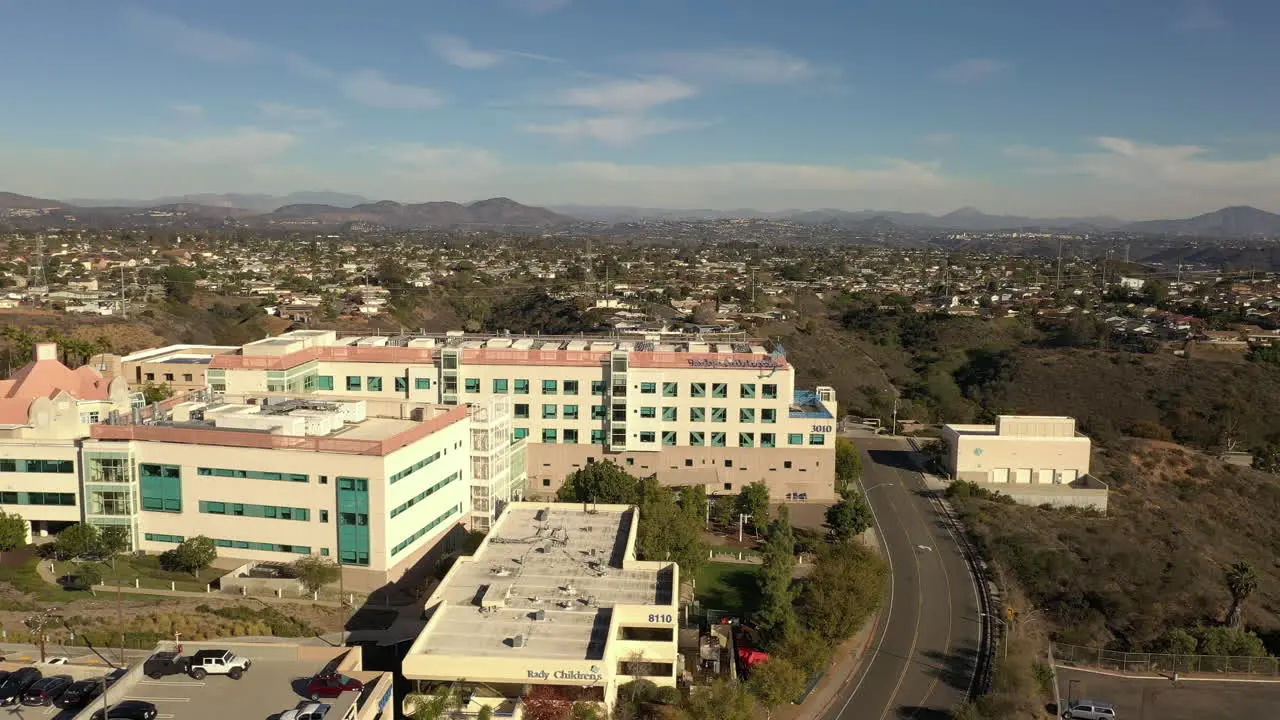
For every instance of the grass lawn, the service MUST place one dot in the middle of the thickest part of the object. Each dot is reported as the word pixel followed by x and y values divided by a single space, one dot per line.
pixel 730 587
pixel 146 568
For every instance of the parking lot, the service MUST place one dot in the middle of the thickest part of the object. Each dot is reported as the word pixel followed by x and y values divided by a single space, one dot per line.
pixel 1160 699
pixel 268 684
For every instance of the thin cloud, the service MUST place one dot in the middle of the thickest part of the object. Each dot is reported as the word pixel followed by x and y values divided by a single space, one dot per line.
pixel 188 110
pixel 973 70
pixel 370 87
pixel 1199 16
pixel 1029 153
pixel 200 43
pixel 747 65
pixel 937 138
pixel 539 7
pixel 460 53
pixel 247 144
pixel 625 95
pixel 618 130
pixel 292 114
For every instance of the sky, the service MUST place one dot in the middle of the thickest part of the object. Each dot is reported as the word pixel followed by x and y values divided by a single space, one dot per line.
pixel 1130 108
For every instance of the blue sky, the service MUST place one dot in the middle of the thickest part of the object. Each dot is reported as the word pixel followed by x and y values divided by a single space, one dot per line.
pixel 1136 108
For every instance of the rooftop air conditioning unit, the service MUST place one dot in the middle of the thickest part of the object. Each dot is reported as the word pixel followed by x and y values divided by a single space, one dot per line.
pixel 517 641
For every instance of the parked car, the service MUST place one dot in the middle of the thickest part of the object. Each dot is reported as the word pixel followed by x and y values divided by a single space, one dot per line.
pixel 165 663
pixel 1090 710
pixel 128 710
pixel 218 662
pixel 331 685
pixel 306 711
pixel 57 660
pixel 13 688
pixel 46 690
pixel 79 694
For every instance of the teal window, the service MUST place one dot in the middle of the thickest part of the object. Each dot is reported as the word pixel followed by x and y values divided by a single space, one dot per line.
pixel 746 415
pixel 402 384
pixel 522 410
pixel 768 440
pixel 747 390
pixel 10 497
pixel 425 494
pixel 160 537
pixel 500 385
pixel 353 520
pixel 472 385
pixel 401 546
pixel 373 383
pixel 549 411
pixel 276 512
pixel 597 437
pixel 264 546
pixel 768 415
pixel 522 387
pixel 402 474
pixel 717 439
pixel 697 439
pixel 648 412
pixel 698 389
pixel 549 435
pixel 670 414
pixel 597 412
pixel 648 437
pixel 719 415
pixel 422 383
pixel 570 412
pixel 795 439
pixel 520 433
pixel 324 552
pixel 719 390
pixel 252 474
pixel 324 382
pixel 648 388
pixel 570 437
pixel 37 466
pixel 668 437
pixel 769 391
pixel 817 439
pixel 670 389
pixel 161 487
pixel 597 387
pixel 570 387
pixel 698 414
pixel 549 387
pixel 353 382
pixel 746 439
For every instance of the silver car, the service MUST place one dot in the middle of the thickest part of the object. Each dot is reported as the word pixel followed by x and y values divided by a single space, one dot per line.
pixel 1090 710
pixel 306 711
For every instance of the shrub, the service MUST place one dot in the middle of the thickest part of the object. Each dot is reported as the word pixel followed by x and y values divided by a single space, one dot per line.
pixel 1150 430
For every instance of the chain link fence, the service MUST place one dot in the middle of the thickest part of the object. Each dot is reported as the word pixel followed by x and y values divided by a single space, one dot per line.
pixel 1160 663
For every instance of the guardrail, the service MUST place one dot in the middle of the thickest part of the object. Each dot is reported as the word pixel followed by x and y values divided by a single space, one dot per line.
pixel 1165 663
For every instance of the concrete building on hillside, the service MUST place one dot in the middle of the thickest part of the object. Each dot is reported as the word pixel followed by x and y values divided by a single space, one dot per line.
pixel 181 367
pixel 555 597
pixel 46 409
pixel 1035 459
pixel 723 413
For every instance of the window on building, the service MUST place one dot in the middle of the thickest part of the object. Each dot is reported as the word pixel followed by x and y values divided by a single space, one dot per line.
pixel 719 390
pixel 746 439
pixel 648 388
pixel 728 463
pixel 353 382
pixel 402 384
pixel 786 464
pixel 769 391
pixel 719 415
pixel 597 387
pixel 768 440
pixel 422 383
pixel 648 437
pixel 597 412
pixel 168 377
pixel 549 387
pixel 324 382
pixel 324 516
pixel 670 414
pixel 648 412
pixel 697 414
pixel 150 377
pixel 768 415
pixel 817 439
pixel 570 412
pixel 795 438
pixel 522 410
pixel 746 415
pixel 161 487
pixel 546 482
pixel 522 387
pixel 717 439
pixel 500 385
pixel 747 390
pixel 698 389
pixel 549 411
pixel 472 385
pixel 549 435
pixel 186 377
pixel 570 437
pixel 697 439
pixel 670 389
pixel 373 383
pixel 520 433
pixel 570 387
pixel 669 437
pixel 597 437
pixel 619 413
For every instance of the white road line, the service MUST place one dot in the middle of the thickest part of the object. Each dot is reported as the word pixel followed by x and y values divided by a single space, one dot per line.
pixel 180 683
pixel 159 699
pixel 915 634
pixel 946 581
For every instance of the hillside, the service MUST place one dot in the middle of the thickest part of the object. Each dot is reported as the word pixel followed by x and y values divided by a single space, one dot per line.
pixel 493 212
pixel 1177 518
pixel 1238 221
pixel 14 201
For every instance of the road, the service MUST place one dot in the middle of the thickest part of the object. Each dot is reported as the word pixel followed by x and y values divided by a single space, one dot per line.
pixel 921 660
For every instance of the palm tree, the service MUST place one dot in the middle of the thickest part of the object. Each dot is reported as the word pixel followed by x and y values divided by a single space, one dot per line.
pixel 1241 580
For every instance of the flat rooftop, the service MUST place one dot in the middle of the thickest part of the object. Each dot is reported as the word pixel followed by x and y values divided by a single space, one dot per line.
pixel 549 573
pixel 374 428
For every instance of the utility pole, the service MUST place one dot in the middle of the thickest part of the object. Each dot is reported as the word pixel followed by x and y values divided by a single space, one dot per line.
pixel 753 288
pixel 1059 263
pixel 124 308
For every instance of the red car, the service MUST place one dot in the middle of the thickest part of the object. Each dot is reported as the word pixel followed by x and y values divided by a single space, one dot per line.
pixel 331 686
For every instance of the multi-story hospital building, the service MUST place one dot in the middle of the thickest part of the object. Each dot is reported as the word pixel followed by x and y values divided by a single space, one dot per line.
pixel 719 413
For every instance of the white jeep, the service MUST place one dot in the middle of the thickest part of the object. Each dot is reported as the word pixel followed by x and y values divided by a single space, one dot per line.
pixel 218 662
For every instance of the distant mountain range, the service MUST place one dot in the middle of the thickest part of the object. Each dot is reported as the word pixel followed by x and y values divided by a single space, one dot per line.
pixel 256 203
pixel 1238 221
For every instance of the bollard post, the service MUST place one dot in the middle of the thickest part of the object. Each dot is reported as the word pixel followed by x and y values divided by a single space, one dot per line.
pixel 137 583
pixel 172 586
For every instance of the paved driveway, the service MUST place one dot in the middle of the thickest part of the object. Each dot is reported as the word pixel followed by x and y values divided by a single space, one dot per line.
pixel 1140 699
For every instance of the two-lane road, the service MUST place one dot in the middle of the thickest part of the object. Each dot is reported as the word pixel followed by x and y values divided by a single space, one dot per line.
pixel 921 661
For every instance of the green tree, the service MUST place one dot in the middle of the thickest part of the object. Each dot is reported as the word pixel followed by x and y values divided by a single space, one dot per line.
pixel 1226 641
pixel 1175 641
pixel 156 393
pixel 848 465
pixel 192 556
pixel 776 682
pixel 721 700
pixel 180 283
pixel 693 501
pixel 436 706
pixel 314 572
pixel 845 586
pixel 601 482
pixel 850 517
pixel 753 500
pixel 666 531
pixel 777 616
pixel 1241 581
pixel 88 575
pixel 722 510
pixel 806 649
pixel 486 713
pixel 13 531
pixel 78 541
pixel 112 540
